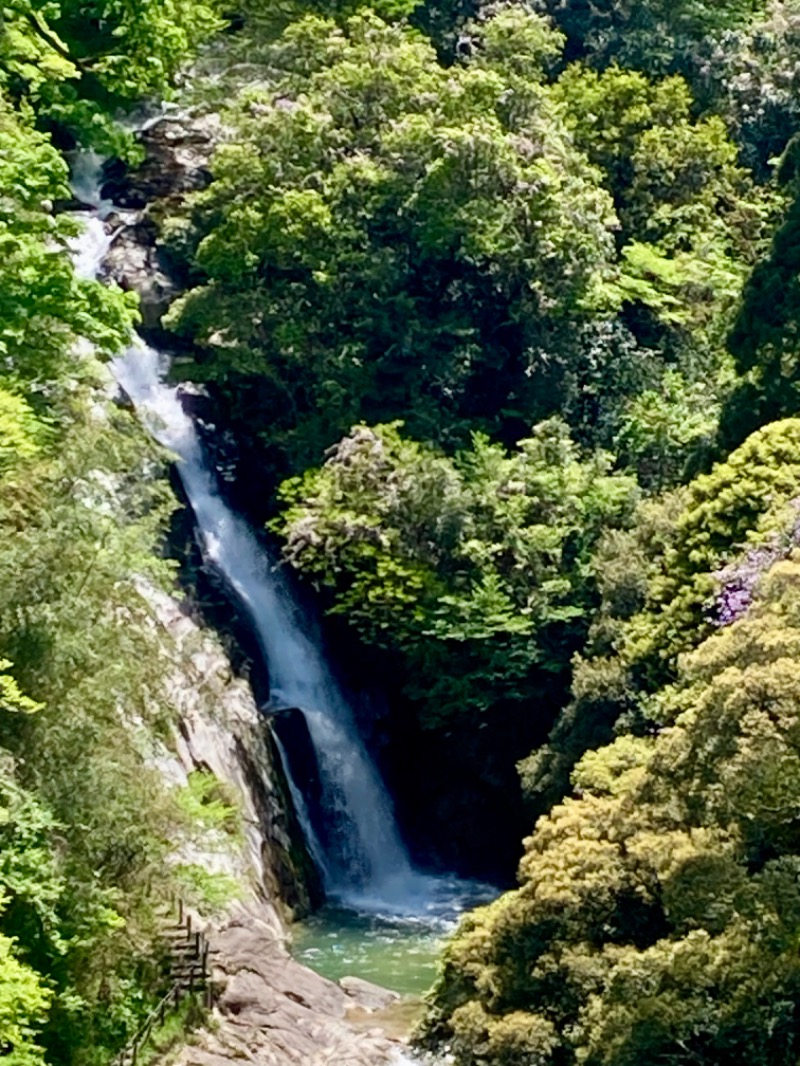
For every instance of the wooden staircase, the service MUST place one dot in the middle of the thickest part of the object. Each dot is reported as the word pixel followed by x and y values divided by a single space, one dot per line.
pixel 189 976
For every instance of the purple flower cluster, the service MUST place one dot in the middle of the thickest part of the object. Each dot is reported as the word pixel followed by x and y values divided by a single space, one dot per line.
pixel 738 581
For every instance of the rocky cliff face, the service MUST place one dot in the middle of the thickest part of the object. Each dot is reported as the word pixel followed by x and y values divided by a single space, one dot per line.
pixel 178 150
pixel 268 1009
pixel 221 732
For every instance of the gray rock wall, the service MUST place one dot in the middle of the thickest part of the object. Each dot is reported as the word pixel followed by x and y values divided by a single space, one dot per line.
pixel 221 731
pixel 269 1009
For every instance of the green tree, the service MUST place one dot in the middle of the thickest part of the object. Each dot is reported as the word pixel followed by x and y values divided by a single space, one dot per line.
pixel 44 307
pixel 21 432
pixel 23 1004
pixel 80 537
pixel 30 890
pixel 658 585
pixel 763 340
pixel 665 432
pixel 76 62
pixel 388 237
pixel 657 913
pixel 692 220
pixel 652 35
pixel 473 568
pixel 740 59
pixel 466 247
pixel 723 509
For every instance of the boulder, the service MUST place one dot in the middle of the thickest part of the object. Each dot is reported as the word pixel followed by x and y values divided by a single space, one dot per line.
pixel 366 995
pixel 178 149
pixel 134 263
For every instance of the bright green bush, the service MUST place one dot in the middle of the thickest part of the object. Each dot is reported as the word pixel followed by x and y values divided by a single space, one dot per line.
pixel 657 914
pixel 658 584
pixel 473 569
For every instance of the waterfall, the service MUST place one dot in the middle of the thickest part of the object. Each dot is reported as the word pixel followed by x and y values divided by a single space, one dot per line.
pixel 363 860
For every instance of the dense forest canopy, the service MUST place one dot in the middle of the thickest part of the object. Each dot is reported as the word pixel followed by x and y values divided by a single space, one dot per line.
pixel 500 302
pixel 466 247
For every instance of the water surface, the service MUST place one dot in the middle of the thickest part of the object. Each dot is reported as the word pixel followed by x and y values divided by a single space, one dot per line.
pixel 397 951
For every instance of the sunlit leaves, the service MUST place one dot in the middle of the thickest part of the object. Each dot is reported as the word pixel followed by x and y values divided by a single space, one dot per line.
pixel 24 999
pixel 69 61
pixel 658 914
pixel 44 307
pixel 465 563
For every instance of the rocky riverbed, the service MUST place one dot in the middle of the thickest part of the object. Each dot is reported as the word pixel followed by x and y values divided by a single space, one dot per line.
pixel 273 1011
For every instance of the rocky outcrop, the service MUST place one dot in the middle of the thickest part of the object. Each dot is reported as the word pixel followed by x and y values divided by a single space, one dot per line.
pixel 177 151
pixel 220 731
pixel 135 264
pixel 268 1009
pixel 368 996
pixel 272 1011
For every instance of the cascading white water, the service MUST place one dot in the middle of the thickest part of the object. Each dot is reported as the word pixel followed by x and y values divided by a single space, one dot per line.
pixel 364 860
pixel 363 851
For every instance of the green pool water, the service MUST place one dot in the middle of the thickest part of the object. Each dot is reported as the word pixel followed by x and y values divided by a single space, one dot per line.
pixel 397 951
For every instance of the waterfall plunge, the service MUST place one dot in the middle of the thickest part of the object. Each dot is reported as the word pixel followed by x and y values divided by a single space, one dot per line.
pixel 364 862
pixel 363 853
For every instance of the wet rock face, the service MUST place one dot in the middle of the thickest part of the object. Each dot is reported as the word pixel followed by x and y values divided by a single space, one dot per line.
pixel 221 732
pixel 177 154
pixel 134 263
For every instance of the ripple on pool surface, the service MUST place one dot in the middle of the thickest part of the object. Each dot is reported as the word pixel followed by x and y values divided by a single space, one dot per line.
pixel 395 951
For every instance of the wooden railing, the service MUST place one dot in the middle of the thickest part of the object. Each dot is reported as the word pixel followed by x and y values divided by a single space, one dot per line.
pixel 189 977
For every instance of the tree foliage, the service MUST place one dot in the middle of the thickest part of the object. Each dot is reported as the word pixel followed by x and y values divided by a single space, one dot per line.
pixel 83 825
pixel 79 531
pixel 76 61
pixel 659 585
pixel 44 307
pixel 387 237
pixel 657 912
pixel 420 220
pixel 472 568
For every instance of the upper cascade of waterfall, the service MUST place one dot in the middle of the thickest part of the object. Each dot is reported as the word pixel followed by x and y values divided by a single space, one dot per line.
pixel 363 859
pixel 90 248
